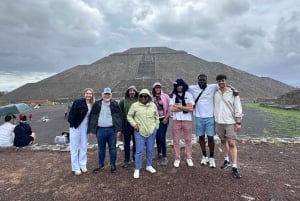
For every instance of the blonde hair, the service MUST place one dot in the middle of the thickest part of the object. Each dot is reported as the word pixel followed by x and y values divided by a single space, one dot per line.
pixel 93 94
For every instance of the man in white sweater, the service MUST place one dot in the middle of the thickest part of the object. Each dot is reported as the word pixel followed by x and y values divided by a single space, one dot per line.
pixel 228 116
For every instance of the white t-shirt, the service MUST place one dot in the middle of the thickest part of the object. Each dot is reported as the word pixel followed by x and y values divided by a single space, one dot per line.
pixel 205 105
pixel 7 134
pixel 180 115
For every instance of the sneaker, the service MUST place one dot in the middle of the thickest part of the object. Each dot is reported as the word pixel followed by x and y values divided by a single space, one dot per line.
pixel 84 170
pixel 235 173
pixel 164 161
pixel 136 174
pixel 189 162
pixel 150 169
pixel 225 164
pixel 176 163
pixel 125 164
pixel 97 169
pixel 158 156
pixel 204 160
pixel 113 168
pixel 77 172
pixel 212 163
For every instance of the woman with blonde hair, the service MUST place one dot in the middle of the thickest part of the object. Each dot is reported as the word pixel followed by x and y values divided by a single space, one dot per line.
pixel 78 119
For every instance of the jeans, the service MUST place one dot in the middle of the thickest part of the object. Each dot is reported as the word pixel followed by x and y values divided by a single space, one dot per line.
pixel 141 142
pixel 107 135
pixel 161 138
pixel 128 136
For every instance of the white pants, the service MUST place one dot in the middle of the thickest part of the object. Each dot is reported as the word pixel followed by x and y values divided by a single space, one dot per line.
pixel 78 147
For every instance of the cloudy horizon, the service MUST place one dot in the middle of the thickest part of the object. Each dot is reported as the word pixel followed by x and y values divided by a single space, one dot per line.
pixel 39 39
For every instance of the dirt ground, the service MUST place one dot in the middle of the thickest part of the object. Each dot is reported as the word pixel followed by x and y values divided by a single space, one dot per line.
pixel 270 172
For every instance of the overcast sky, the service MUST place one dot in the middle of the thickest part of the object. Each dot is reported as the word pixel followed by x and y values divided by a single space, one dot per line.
pixel 40 38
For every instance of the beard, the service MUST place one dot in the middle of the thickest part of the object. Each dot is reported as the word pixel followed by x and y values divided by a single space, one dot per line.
pixel 202 86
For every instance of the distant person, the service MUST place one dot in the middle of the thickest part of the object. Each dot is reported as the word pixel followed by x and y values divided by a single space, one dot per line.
pixel 23 133
pixel 20 116
pixel 143 117
pixel 7 131
pixel 131 96
pixel 161 101
pixel 228 116
pixel 107 123
pixel 78 119
pixel 181 105
pixel 30 117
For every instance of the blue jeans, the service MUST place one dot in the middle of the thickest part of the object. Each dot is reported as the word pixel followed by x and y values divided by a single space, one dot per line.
pixel 140 143
pixel 107 135
pixel 128 136
pixel 161 138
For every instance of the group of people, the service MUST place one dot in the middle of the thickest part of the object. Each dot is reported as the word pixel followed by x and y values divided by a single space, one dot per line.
pixel 142 117
pixel 19 135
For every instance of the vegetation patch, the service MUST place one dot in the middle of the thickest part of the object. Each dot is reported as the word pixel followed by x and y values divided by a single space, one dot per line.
pixel 286 123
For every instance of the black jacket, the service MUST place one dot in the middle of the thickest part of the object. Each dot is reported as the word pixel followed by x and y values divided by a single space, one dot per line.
pixel 77 113
pixel 22 135
pixel 115 113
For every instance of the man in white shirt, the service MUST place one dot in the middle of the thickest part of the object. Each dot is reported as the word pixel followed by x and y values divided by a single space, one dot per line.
pixel 7 131
pixel 228 115
pixel 181 105
pixel 203 95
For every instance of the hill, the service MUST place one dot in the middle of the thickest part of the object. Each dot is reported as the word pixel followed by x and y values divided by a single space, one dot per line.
pixel 142 67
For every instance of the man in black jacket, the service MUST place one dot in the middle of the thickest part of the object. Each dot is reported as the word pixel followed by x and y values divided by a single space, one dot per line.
pixel 106 122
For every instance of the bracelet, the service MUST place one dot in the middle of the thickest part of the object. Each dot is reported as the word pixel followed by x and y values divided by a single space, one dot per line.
pixel 238 123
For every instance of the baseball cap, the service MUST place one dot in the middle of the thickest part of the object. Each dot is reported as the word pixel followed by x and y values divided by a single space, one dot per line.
pixel 107 90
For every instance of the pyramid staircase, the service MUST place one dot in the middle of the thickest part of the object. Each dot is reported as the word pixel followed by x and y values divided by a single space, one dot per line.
pixel 144 78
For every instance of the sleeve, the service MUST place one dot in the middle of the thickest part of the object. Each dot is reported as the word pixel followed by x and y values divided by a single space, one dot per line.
pixel 130 115
pixel 238 112
pixel 72 113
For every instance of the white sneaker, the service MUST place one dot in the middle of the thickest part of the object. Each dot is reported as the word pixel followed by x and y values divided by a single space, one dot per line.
pixel 212 163
pixel 150 169
pixel 136 174
pixel 176 163
pixel 189 162
pixel 204 160
pixel 84 170
pixel 77 172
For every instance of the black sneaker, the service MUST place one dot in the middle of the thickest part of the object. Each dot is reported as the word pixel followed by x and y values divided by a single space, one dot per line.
pixel 113 169
pixel 235 173
pixel 225 164
pixel 97 169
pixel 125 164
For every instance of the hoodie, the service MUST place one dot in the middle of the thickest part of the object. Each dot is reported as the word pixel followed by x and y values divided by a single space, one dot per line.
pixel 163 100
pixel 127 102
pixel 144 115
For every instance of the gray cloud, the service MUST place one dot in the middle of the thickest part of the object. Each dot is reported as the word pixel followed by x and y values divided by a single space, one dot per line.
pixel 260 37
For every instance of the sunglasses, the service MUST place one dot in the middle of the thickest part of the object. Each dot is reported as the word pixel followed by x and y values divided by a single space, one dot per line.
pixel 143 96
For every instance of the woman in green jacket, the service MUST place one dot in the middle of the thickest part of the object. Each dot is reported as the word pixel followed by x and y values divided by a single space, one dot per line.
pixel 143 116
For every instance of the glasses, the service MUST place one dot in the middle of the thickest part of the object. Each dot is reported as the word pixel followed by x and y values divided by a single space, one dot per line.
pixel 107 94
pixel 143 96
